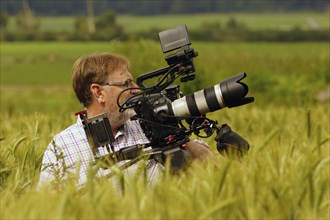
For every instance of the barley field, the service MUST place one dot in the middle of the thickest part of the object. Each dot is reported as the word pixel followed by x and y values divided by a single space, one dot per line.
pixel 284 176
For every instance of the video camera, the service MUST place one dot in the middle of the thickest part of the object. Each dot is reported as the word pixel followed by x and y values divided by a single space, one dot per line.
pixel 162 109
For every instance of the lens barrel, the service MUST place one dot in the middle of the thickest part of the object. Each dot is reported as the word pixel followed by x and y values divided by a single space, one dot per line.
pixel 229 93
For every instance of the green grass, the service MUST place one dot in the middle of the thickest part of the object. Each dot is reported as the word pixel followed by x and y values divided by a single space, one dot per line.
pixel 284 176
pixel 252 21
pixel 283 67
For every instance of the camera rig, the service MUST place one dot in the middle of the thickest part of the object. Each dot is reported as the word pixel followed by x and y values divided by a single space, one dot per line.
pixel 166 116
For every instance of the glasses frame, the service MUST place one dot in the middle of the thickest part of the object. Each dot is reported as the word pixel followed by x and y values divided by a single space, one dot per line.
pixel 126 83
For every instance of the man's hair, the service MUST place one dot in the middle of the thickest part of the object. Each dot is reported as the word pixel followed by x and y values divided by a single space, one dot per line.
pixel 94 68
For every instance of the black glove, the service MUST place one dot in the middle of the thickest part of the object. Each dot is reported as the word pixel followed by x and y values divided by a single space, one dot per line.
pixel 231 144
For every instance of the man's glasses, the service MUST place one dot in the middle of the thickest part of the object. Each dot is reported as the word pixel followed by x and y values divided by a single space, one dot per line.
pixel 128 83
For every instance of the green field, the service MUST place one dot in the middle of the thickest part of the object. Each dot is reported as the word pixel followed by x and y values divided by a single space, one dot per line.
pixel 280 72
pixel 284 176
pixel 271 20
pixel 252 21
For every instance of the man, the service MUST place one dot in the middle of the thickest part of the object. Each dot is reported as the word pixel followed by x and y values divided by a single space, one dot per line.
pixel 98 79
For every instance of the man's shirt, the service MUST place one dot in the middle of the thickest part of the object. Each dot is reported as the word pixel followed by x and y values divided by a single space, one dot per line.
pixel 69 152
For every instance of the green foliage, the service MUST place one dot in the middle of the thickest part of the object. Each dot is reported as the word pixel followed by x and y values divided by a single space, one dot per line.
pixel 252 21
pixel 80 24
pixel 107 27
pixel 29 24
pixel 147 7
pixel 284 176
pixel 207 27
pixel 283 67
pixel 4 17
pixel 106 21
pixel 238 31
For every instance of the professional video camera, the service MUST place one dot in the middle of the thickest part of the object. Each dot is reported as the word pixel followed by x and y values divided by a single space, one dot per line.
pixel 166 116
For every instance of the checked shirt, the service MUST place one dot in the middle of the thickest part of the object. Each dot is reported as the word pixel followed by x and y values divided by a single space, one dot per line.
pixel 70 153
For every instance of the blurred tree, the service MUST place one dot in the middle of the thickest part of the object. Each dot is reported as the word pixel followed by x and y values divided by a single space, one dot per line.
pixel 80 25
pixel 148 7
pixel 28 20
pixel 23 24
pixel 90 16
pixel 106 21
pixel 4 16
pixel 107 28
pixel 232 23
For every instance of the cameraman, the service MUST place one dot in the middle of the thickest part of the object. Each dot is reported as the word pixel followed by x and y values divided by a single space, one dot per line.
pixel 97 81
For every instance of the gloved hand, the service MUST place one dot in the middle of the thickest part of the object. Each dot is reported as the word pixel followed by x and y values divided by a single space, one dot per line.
pixel 231 144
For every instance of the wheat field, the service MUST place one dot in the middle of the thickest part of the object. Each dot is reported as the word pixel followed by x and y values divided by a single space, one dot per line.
pixel 284 176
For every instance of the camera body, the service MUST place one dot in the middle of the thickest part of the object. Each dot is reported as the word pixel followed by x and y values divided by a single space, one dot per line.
pixel 162 107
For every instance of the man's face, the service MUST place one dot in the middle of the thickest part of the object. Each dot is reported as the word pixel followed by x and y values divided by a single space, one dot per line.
pixel 113 90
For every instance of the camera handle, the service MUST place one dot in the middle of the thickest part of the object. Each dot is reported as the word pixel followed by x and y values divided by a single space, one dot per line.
pixel 150 75
pixel 180 62
pixel 174 152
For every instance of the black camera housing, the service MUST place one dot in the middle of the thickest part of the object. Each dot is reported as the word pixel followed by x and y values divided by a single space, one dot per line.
pixel 161 108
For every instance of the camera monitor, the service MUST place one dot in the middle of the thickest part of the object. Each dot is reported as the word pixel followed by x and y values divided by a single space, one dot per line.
pixel 174 38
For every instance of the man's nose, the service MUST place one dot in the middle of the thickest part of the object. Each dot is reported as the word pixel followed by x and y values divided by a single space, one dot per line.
pixel 135 89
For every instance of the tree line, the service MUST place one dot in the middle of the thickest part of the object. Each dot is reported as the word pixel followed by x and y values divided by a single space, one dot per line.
pixel 106 28
pixel 85 25
pixel 152 7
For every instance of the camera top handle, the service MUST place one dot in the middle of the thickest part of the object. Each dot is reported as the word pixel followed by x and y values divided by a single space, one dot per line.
pixel 180 62
pixel 150 75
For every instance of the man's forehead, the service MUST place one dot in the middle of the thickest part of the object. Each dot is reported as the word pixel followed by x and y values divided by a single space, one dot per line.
pixel 121 73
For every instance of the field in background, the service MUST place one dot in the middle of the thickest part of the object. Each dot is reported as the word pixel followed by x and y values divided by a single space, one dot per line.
pixel 252 21
pixel 305 20
pixel 278 72
pixel 284 176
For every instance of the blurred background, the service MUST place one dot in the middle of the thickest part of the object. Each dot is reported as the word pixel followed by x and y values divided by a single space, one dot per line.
pixel 212 20
pixel 281 44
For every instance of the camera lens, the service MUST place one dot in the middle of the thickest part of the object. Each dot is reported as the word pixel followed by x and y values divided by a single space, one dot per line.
pixel 229 93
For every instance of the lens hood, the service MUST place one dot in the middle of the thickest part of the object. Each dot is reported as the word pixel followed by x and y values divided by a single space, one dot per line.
pixel 234 91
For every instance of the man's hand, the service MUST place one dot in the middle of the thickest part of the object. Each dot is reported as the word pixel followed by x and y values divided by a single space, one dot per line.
pixel 231 144
pixel 200 150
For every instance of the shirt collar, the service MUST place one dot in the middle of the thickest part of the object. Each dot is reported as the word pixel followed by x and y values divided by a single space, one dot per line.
pixel 120 131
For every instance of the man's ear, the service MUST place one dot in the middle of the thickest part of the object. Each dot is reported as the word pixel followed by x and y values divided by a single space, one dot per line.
pixel 97 92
